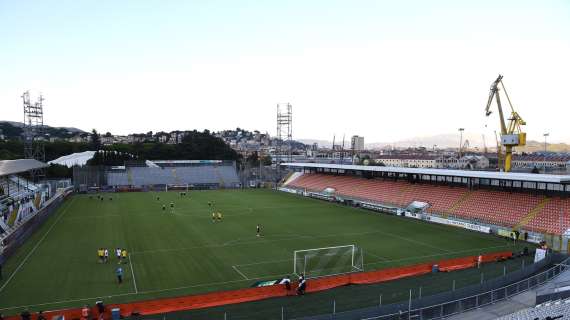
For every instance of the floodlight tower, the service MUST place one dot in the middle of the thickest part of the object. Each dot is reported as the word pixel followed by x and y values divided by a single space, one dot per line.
pixel 284 133
pixel 34 131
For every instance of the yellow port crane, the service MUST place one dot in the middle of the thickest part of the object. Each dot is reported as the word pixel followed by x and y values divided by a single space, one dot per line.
pixel 500 162
pixel 511 134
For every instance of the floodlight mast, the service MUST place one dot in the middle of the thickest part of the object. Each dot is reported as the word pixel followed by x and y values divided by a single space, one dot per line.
pixel 34 147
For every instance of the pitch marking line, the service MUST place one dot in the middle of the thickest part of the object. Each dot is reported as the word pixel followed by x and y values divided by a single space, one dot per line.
pixel 211 283
pixel 133 274
pixel 383 260
pixel 36 246
pixel 262 262
pixel 240 273
pixel 375 255
pixel 436 255
pixel 231 244
pixel 142 292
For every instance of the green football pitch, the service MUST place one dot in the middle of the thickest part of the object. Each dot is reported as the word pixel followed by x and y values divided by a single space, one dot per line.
pixel 181 252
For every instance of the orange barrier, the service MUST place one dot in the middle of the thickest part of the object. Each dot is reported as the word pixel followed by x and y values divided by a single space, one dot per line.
pixel 215 299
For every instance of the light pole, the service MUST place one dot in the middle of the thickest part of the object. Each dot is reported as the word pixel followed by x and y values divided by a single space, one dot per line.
pixel 460 140
pixel 544 157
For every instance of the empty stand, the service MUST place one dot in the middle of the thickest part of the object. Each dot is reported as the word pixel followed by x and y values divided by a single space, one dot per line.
pixel 531 212
pixel 558 309
pixel 225 176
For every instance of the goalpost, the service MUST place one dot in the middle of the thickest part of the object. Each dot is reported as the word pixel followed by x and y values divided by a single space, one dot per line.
pixel 320 262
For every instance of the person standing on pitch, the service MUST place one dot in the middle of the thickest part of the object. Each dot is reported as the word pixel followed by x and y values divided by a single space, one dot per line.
pixel 118 254
pixel 119 273
pixel 302 286
pixel 124 255
pixel 106 255
pixel 258 230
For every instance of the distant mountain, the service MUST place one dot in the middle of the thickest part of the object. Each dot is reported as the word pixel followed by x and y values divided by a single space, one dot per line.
pixel 13 130
pixel 448 141
pixel 537 146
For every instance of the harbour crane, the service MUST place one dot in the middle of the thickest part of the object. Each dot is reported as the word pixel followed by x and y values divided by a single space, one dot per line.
pixel 511 133
pixel 500 162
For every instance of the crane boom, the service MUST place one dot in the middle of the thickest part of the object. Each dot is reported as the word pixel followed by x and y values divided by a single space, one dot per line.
pixel 511 134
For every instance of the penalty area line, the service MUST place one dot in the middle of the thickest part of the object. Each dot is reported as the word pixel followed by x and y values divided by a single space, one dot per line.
pixel 240 273
pixel 133 274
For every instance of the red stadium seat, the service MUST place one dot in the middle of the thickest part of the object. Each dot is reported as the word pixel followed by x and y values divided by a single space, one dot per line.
pixel 495 207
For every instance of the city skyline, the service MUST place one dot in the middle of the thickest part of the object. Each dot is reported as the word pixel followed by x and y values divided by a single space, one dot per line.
pixel 347 68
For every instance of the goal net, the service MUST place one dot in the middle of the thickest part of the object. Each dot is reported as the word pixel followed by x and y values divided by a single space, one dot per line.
pixel 321 262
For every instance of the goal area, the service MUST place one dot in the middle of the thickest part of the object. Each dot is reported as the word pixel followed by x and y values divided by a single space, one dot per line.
pixel 320 262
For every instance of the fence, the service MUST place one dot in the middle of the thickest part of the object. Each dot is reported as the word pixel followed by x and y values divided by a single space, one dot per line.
pixel 386 299
pixel 487 297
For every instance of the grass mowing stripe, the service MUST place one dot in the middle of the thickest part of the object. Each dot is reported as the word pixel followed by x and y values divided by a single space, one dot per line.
pixel 232 243
pixel 35 247
pixel 437 255
pixel 290 223
pixel 142 292
pixel 383 259
pixel 220 283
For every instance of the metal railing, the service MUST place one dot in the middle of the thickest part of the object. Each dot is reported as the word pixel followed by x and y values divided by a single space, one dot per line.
pixel 430 296
pixel 450 308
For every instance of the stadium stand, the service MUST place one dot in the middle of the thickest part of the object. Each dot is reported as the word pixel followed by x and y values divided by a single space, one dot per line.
pixel 19 198
pixel 219 175
pixel 540 213
pixel 550 310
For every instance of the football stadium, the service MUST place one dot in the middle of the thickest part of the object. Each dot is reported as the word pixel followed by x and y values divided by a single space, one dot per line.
pixel 150 167
pixel 369 242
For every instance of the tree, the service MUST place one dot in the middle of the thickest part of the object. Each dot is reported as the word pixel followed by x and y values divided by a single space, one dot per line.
pixel 266 160
pixel 252 160
pixel 95 143
pixel 59 171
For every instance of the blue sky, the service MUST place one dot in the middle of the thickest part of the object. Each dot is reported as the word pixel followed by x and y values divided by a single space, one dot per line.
pixel 387 70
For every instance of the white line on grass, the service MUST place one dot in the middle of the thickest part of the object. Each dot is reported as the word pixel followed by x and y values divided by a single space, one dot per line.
pixel 143 292
pixel 240 273
pixel 375 255
pixel 256 241
pixel 272 237
pixel 214 283
pixel 436 255
pixel 383 260
pixel 35 247
pixel 263 262
pixel 133 274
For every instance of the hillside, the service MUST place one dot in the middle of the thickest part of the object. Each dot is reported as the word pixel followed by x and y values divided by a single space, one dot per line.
pixel 13 130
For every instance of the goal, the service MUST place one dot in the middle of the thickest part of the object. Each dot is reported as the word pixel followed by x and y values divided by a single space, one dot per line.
pixel 320 262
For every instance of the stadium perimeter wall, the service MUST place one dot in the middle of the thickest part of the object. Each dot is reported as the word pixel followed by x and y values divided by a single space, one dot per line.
pixel 559 243
pixel 214 299
pixel 15 239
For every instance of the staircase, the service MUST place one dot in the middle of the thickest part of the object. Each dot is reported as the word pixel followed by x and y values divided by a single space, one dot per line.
pixel 13 215
pixel 531 214
pixel 176 179
pixel 458 203
pixel 130 176
pixel 220 179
